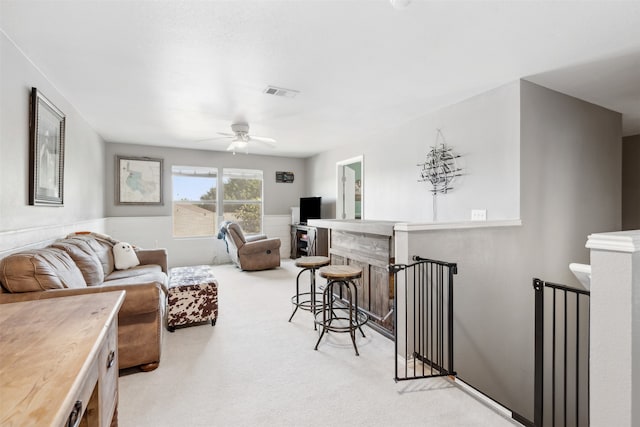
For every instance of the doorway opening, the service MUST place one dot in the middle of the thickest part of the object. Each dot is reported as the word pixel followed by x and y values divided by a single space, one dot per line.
pixel 350 183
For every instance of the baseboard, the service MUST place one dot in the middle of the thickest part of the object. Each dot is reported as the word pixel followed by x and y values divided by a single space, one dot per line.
pixel 490 402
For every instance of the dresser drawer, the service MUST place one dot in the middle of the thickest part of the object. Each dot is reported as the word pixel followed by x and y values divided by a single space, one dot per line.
pixel 108 380
pixel 81 409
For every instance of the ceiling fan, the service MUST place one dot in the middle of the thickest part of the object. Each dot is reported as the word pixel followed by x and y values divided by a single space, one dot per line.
pixel 240 138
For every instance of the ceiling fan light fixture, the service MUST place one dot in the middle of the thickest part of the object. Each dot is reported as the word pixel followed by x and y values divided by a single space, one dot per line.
pixel 240 138
pixel 240 128
pixel 400 4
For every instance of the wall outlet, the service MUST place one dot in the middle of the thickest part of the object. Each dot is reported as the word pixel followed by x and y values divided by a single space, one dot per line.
pixel 478 214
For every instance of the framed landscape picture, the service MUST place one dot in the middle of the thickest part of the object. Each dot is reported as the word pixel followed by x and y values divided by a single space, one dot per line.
pixel 46 152
pixel 138 181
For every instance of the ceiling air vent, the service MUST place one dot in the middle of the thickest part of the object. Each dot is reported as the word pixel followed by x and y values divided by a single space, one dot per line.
pixel 278 91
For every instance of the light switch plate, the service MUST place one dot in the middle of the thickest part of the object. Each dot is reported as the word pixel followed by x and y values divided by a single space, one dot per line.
pixel 478 215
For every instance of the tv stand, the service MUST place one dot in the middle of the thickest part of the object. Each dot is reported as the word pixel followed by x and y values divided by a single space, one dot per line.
pixel 308 241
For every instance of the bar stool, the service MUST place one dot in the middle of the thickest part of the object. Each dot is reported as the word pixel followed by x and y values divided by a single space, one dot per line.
pixel 309 301
pixel 341 277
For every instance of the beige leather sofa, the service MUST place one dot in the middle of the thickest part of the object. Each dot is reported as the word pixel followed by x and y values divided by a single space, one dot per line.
pixel 84 263
pixel 253 252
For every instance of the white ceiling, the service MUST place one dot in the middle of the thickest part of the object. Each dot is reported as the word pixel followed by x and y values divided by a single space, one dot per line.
pixel 174 73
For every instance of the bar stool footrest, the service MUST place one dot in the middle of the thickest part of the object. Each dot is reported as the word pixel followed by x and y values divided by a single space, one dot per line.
pixel 303 301
pixel 343 326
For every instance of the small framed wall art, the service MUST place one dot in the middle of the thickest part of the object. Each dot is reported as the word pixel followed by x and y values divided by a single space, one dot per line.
pixel 284 176
pixel 46 152
pixel 138 181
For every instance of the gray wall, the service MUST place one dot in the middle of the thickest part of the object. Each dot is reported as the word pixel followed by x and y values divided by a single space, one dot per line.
pixel 151 226
pixel 564 157
pixel 570 187
pixel 84 181
pixel 631 182
pixel 278 197
pixel 570 168
pixel 484 130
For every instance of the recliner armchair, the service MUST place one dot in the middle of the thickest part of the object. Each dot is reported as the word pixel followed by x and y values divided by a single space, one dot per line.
pixel 251 253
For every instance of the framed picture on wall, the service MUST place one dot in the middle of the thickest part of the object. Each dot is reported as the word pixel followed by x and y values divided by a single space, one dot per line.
pixel 138 181
pixel 46 152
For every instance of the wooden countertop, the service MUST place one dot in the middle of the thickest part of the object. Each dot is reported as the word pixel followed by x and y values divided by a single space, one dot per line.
pixel 387 228
pixel 384 228
pixel 46 349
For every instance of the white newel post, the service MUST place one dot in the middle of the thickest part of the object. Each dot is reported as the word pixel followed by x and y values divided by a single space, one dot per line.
pixel 614 383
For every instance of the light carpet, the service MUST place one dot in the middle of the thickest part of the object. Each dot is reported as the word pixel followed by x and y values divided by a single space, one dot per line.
pixel 256 369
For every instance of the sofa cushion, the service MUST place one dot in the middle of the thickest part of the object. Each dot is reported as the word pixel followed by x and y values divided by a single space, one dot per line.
pixel 39 270
pixel 85 258
pixel 138 274
pixel 102 246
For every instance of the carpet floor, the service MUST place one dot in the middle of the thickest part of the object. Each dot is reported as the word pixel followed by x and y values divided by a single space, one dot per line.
pixel 256 369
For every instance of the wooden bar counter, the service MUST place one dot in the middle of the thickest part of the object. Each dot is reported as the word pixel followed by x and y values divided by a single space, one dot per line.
pixel 58 361
pixel 368 245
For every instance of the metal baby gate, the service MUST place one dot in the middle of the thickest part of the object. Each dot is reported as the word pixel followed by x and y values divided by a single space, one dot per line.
pixel 423 312
pixel 561 396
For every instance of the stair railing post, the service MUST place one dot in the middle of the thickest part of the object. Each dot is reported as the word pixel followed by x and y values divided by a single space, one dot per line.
pixel 453 269
pixel 538 286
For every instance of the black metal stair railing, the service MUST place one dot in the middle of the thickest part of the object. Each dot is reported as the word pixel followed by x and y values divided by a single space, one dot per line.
pixel 423 315
pixel 561 388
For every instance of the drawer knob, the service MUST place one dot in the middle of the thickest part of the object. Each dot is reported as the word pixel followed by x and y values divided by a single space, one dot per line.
pixel 75 415
pixel 111 358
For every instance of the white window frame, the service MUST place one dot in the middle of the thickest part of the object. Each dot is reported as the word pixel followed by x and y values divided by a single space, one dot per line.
pixel 196 171
pixel 250 174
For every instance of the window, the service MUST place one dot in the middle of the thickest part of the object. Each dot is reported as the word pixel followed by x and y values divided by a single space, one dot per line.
pixel 242 190
pixel 195 192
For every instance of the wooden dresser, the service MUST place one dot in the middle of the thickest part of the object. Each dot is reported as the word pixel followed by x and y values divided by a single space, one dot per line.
pixel 59 361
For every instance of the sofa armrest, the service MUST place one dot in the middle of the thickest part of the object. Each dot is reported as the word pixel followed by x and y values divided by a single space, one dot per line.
pixel 260 246
pixel 139 299
pixel 153 256
pixel 255 237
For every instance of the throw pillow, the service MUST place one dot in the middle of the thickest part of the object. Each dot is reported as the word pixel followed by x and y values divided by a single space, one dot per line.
pixel 124 256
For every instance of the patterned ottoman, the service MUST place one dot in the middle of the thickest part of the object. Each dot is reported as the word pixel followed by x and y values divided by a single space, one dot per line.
pixel 193 296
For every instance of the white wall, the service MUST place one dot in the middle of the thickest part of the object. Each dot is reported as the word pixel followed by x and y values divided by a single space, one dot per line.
pixel 614 314
pixel 84 175
pixel 484 130
pixel 156 232
pixel 40 236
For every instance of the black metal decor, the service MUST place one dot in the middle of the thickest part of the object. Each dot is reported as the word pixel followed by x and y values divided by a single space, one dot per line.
pixel 565 401
pixel 428 318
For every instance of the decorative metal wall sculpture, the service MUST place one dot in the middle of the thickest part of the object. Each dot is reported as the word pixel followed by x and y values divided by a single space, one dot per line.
pixel 440 167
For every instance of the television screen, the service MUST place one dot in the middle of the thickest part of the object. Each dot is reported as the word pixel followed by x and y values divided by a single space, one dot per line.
pixel 310 208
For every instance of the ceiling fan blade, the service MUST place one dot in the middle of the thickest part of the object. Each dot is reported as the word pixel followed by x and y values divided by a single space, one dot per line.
pixel 270 142
pixel 215 138
pixel 226 134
